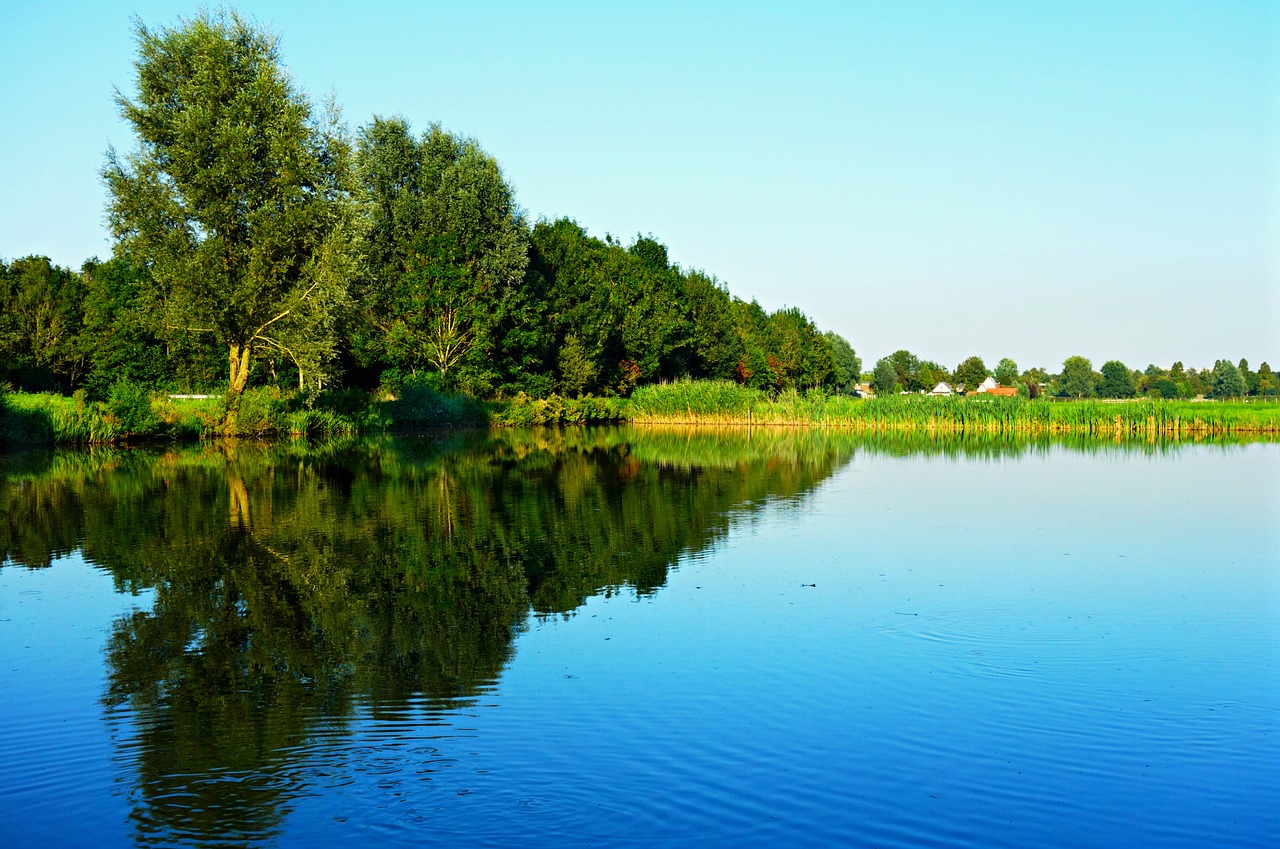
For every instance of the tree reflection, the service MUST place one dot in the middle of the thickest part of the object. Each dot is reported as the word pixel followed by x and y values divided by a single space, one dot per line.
pixel 293 586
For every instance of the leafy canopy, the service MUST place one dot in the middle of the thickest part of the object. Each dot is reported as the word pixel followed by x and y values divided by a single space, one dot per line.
pixel 236 197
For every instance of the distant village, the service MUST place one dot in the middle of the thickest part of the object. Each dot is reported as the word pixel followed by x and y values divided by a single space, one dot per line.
pixel 987 387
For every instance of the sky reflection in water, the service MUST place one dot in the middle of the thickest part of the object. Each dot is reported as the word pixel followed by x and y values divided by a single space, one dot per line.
pixel 622 636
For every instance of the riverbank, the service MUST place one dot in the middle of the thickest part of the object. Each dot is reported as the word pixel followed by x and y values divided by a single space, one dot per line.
pixel 132 413
pixel 723 403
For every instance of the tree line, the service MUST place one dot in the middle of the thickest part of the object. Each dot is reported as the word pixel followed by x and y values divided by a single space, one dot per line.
pixel 257 241
pixel 903 371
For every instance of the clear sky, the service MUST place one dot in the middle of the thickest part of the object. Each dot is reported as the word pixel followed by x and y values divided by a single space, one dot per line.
pixel 1022 179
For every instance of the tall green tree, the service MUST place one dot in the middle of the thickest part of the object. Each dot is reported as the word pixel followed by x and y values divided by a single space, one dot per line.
pixel 1268 383
pixel 971 372
pixel 1077 377
pixel 906 366
pixel 40 324
pixel 845 361
pixel 446 249
pixel 1251 380
pixel 716 346
pixel 1117 381
pixel 1227 380
pixel 237 197
pixel 885 378
pixel 1006 373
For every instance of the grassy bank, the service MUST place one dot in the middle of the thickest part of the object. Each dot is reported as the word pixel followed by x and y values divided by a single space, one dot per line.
pixel 724 403
pixel 131 413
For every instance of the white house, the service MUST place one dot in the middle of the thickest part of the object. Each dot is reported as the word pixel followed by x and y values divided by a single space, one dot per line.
pixel 943 388
pixel 987 385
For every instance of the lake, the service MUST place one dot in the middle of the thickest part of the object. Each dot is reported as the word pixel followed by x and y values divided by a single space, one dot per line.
pixel 642 637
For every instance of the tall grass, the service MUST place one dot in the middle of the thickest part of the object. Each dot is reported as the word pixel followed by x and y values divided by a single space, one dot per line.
pixel 523 411
pixel 724 403
pixel 132 413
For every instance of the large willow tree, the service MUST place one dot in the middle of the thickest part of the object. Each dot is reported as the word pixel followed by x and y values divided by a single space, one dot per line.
pixel 237 196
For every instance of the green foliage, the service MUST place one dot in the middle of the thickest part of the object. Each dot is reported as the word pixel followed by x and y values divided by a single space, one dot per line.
pixel 1167 388
pixel 906 367
pixel 121 341
pixel 1117 382
pixel 1227 380
pixel 445 255
pixel 724 402
pixel 1077 377
pixel 970 373
pixel 576 366
pixel 130 403
pixel 885 380
pixel 693 401
pixel 1268 382
pixel 235 198
pixel 523 411
pixel 846 364
pixel 41 344
pixel 417 405
pixel 131 412
pixel 1006 373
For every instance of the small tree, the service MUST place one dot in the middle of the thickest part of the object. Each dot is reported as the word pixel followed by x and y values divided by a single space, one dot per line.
pixel 885 379
pixel 1006 372
pixel 1227 380
pixel 1077 377
pixel 971 372
pixel 848 366
pixel 1268 384
pixel 1117 381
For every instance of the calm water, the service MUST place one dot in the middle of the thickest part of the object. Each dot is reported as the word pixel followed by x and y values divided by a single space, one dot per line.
pixel 642 638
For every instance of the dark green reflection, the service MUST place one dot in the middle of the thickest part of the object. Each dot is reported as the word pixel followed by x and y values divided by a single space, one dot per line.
pixel 292 583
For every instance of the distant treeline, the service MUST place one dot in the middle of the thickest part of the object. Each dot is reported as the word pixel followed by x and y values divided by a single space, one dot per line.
pixel 903 371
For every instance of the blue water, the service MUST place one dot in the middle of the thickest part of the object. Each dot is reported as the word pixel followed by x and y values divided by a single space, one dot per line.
pixel 1050 648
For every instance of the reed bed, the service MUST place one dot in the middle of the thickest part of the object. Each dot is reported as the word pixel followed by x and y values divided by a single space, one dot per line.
pixel 133 413
pixel 726 403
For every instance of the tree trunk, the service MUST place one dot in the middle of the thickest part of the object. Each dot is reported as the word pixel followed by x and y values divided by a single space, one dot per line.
pixel 238 358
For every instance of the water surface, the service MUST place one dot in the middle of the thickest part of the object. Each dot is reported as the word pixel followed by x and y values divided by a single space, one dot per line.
pixel 641 637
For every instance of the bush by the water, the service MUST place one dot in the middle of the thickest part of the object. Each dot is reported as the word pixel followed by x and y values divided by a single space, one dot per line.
pixel 418 405
pixel 131 406
pixel 523 411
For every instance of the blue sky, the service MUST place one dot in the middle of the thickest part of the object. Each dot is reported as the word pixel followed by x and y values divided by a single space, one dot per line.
pixel 1031 180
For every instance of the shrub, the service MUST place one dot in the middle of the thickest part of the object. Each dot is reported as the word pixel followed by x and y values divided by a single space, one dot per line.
pixel 418 405
pixel 130 404
pixel 523 411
